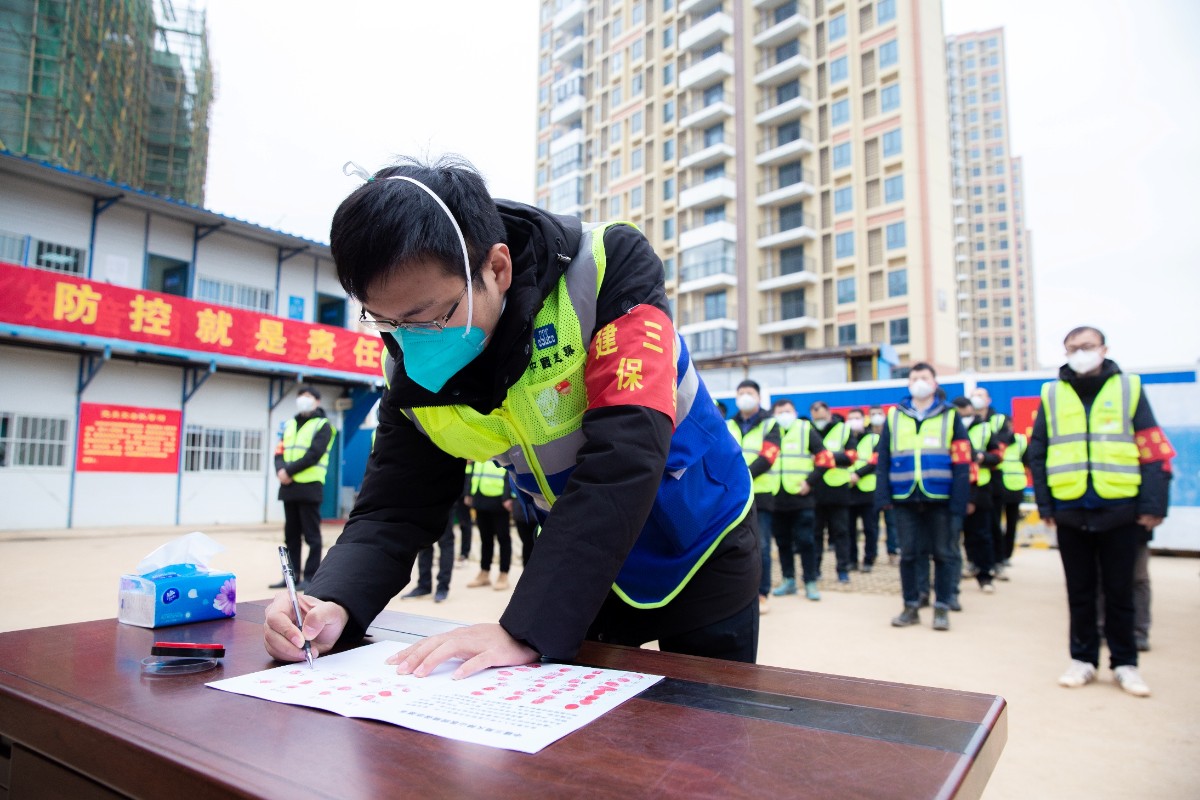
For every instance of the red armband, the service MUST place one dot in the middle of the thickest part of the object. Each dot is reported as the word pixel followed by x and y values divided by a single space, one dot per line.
pixel 1153 446
pixel 770 451
pixel 960 452
pixel 999 450
pixel 853 455
pixel 824 460
pixel 974 472
pixel 874 458
pixel 631 362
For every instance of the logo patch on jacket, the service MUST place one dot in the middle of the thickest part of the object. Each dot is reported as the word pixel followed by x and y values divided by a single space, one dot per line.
pixel 545 336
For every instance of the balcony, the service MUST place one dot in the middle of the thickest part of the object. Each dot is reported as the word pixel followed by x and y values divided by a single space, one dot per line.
pixel 706 32
pixel 772 151
pixel 707 193
pixel 570 15
pixel 960 220
pixel 770 72
pixel 568 110
pixel 569 46
pixel 708 275
pixel 706 72
pixel 696 235
pixel 788 318
pixel 705 116
pixel 772 111
pixel 772 274
pixel 697 6
pixel 778 25
pixel 771 192
pixel 772 233
pixel 960 239
pixel 565 140
pixel 698 154
pixel 961 276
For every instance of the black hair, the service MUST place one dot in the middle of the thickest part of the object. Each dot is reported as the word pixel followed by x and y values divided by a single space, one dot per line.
pixel 817 404
pixel 960 402
pixel 1084 329
pixel 854 410
pixel 874 408
pixel 749 384
pixel 385 226
pixel 307 389
pixel 783 401
pixel 922 365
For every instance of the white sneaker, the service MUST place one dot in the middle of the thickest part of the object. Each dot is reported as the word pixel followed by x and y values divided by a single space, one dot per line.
pixel 1080 673
pixel 1129 680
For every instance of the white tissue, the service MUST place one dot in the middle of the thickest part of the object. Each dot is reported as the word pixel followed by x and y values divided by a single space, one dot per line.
pixel 194 548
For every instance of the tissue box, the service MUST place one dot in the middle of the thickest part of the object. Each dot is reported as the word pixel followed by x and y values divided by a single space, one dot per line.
pixel 175 595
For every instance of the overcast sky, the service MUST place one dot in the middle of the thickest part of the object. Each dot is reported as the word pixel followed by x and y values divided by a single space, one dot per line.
pixel 1102 105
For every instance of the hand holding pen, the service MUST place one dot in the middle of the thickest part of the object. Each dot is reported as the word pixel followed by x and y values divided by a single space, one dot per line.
pixel 298 628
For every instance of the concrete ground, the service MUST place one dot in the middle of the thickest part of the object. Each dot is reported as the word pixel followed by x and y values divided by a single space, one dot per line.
pixel 1092 742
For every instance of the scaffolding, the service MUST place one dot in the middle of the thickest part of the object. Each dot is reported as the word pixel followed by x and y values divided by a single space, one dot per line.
pixel 120 89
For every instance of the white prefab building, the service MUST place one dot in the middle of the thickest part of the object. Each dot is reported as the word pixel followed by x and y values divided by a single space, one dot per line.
pixel 149 356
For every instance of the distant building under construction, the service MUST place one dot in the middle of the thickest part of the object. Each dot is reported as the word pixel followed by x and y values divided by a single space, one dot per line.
pixel 120 89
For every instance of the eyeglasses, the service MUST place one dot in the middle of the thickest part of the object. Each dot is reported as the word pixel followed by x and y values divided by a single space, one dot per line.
pixel 1087 348
pixel 384 325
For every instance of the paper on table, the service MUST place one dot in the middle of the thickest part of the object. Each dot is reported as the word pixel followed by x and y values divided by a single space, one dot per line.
pixel 520 708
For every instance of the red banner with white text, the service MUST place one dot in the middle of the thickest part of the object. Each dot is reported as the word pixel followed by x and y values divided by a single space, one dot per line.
pixel 127 439
pixel 72 304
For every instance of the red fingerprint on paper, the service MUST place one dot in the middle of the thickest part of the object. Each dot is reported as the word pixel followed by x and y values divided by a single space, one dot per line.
pixel 326 692
pixel 385 693
pixel 478 693
pixel 368 697
pixel 571 706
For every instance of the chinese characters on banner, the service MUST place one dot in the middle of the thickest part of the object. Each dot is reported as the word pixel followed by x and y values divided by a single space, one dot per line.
pixel 127 439
pixel 72 304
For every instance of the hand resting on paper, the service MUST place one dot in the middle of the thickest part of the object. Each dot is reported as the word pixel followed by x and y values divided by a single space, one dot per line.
pixel 323 624
pixel 479 646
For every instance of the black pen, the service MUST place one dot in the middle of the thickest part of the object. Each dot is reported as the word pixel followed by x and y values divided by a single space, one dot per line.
pixel 289 577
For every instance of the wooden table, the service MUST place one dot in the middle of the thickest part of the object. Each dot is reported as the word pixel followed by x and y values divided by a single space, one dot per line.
pixel 80 720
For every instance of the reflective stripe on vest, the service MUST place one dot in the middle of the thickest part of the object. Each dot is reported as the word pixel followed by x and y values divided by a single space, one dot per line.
pixel 795 462
pixel 866 449
pixel 921 454
pixel 835 440
pixel 1011 468
pixel 996 422
pixel 976 433
pixel 537 434
pixel 1101 443
pixel 751 444
pixel 297 442
pixel 488 479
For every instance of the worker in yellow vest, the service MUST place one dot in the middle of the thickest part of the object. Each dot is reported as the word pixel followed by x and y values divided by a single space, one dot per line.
pixel 301 462
pixel 1013 481
pixel 861 507
pixel 751 428
pixel 977 525
pixel 800 466
pixel 1101 473
pixel 833 492
pixel 491 498
pixel 1001 430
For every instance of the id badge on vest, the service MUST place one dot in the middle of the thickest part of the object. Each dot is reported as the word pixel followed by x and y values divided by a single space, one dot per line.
pixel 933 441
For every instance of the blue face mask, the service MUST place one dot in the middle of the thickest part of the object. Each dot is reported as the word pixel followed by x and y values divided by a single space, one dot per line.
pixel 433 357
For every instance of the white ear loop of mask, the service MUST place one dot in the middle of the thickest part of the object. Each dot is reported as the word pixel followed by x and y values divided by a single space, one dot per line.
pixel 350 168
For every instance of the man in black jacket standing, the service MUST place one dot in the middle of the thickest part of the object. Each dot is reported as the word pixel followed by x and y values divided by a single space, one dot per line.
pixel 301 461
pixel 519 336
pixel 1101 472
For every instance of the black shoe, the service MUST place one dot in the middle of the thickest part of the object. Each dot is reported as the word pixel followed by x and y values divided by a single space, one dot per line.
pixel 909 616
pixel 1143 644
pixel 923 600
pixel 866 568
pixel 954 605
pixel 418 592
pixel 279 585
pixel 441 595
pixel 941 619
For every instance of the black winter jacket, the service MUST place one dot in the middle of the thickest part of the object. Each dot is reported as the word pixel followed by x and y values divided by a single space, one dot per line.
pixel 313 491
pixel 411 484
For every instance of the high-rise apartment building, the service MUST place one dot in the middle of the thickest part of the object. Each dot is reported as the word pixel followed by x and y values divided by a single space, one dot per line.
pixel 790 162
pixel 992 245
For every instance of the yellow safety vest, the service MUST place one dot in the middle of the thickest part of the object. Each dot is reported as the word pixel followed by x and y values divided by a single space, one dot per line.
pixel 976 433
pixel 488 478
pixel 752 444
pixel 921 455
pixel 835 440
pixel 1011 468
pixel 1101 444
pixel 866 448
pixel 296 444
pixel 795 462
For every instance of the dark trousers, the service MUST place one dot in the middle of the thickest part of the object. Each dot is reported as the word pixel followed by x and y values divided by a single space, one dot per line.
pixel 732 639
pixel 889 523
pixel 445 547
pixel 977 536
pixel 493 526
pixel 793 532
pixel 302 520
pixel 1141 596
pixel 924 529
pixel 870 529
pixel 766 528
pixel 834 519
pixel 1008 536
pixel 462 513
pixel 527 533
pixel 1093 559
